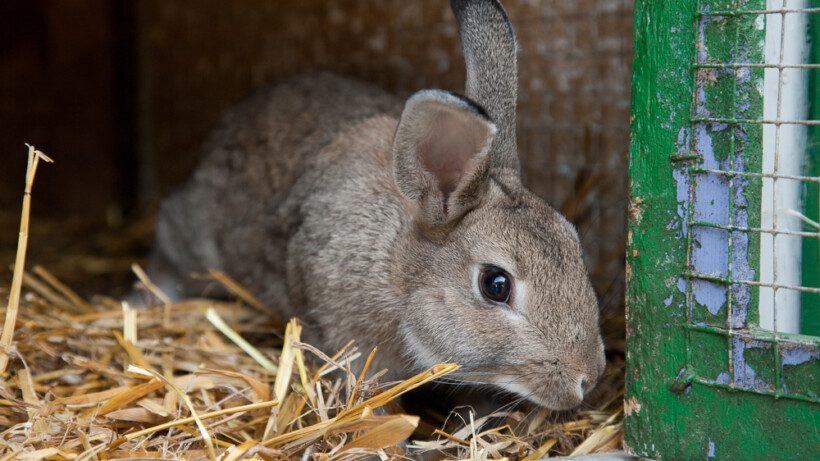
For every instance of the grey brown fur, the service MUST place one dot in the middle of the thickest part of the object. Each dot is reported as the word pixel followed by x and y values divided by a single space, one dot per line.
pixel 372 222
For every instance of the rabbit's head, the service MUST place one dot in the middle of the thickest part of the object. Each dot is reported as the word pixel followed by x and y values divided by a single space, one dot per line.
pixel 490 275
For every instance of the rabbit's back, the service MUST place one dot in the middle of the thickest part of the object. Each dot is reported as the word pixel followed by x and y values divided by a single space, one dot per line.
pixel 249 193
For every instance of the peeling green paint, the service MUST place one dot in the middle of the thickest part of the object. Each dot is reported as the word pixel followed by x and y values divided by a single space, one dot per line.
pixel 702 379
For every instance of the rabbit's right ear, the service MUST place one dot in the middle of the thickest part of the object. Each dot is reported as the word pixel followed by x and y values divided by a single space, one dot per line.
pixel 441 155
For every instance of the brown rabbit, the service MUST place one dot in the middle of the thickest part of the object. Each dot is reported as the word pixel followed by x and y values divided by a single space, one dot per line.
pixel 407 229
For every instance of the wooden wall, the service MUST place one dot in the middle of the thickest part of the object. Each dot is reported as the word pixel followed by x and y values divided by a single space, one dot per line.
pixel 58 87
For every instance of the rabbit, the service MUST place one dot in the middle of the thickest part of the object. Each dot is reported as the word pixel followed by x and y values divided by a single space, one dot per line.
pixel 403 226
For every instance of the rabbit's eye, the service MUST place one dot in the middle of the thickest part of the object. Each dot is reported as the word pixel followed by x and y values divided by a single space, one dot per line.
pixel 495 284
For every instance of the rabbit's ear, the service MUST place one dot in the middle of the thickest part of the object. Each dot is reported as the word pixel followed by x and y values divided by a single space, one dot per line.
pixel 488 42
pixel 441 154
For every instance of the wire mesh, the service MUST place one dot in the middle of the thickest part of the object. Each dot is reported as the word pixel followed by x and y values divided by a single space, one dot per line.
pixel 747 191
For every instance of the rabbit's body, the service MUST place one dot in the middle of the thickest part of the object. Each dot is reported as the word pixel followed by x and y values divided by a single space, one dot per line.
pixel 277 204
pixel 407 230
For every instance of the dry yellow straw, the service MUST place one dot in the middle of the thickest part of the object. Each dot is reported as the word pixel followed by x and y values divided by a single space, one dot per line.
pixel 34 157
pixel 149 285
pixel 237 339
pixel 204 416
pixel 310 433
pixel 206 436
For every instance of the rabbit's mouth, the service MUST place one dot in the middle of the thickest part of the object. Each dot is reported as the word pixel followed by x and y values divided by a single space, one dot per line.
pixel 554 392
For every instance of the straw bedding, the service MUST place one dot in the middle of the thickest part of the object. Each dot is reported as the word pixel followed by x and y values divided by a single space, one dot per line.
pixel 203 379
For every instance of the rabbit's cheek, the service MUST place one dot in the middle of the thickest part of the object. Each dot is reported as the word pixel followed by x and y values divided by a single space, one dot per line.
pixel 418 353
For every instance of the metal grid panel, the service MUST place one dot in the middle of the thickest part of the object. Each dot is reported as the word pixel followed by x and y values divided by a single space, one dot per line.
pixel 723 191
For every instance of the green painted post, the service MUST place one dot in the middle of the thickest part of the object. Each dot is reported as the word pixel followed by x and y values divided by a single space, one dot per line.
pixel 702 381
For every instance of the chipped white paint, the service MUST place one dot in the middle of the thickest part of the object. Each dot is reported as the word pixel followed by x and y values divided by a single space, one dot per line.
pixel 785 96
pixel 632 406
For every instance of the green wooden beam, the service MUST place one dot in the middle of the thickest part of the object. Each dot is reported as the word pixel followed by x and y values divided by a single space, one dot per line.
pixel 696 388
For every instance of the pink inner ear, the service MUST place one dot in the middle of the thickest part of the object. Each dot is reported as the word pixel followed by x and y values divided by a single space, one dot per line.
pixel 449 149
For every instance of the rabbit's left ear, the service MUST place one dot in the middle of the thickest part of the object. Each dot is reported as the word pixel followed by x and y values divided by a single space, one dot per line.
pixel 489 46
pixel 441 154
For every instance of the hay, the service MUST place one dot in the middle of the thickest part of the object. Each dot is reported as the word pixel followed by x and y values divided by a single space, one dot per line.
pixel 204 379
pixel 34 157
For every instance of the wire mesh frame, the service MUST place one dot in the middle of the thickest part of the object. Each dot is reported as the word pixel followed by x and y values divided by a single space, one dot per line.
pixel 733 332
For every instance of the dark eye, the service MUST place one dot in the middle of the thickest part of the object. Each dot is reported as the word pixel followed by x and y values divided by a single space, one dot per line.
pixel 495 284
